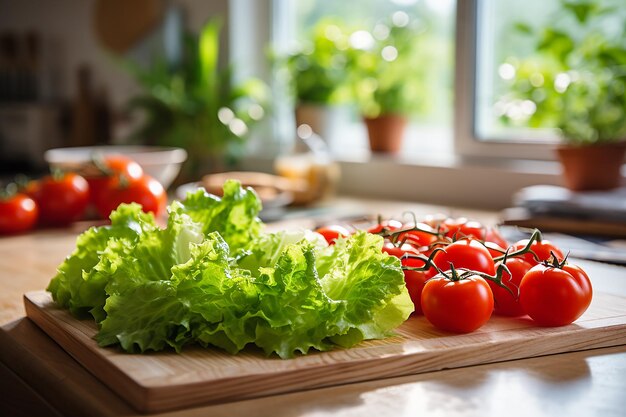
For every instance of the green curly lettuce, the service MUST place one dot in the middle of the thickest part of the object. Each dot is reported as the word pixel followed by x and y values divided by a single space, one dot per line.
pixel 211 277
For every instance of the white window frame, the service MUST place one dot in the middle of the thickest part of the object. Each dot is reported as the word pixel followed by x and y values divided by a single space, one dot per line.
pixel 466 143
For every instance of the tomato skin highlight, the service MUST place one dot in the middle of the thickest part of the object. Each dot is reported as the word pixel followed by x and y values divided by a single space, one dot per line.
pixel 18 213
pixel 457 306
pixel 554 296
pixel 333 232
pixel 61 200
pixel 505 303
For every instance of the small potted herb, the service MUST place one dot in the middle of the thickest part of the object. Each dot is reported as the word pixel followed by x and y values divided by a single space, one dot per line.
pixel 389 79
pixel 317 76
pixel 576 82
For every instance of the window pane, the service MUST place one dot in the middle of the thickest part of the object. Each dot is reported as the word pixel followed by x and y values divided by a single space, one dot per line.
pixel 527 53
pixel 431 128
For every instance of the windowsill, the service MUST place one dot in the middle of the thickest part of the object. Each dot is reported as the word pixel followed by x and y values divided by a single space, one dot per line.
pixel 442 179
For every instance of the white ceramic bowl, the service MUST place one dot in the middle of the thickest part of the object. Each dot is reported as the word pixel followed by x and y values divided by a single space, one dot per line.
pixel 162 163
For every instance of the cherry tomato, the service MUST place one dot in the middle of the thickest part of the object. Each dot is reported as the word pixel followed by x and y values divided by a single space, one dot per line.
pixel 493 235
pixel 399 251
pixel 333 232
pixel 505 303
pixel 111 166
pixel 423 237
pixel 460 306
pixel 554 296
pixel 541 248
pixel 146 191
pixel 463 227
pixel 467 253
pixel 415 281
pixel 18 213
pixel 61 199
pixel 385 225
pixel 494 249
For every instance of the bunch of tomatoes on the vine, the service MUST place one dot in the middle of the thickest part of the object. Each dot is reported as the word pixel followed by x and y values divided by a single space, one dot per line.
pixel 61 198
pixel 459 272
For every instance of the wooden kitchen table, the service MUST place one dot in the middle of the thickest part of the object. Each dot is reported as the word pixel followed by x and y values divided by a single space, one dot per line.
pixel 37 377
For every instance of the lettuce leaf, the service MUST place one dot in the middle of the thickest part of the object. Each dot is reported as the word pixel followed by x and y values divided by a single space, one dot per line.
pixel 212 277
pixel 234 215
pixel 370 282
pixel 74 286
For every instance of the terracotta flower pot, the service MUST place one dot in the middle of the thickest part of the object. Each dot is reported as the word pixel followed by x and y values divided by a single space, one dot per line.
pixel 593 167
pixel 386 132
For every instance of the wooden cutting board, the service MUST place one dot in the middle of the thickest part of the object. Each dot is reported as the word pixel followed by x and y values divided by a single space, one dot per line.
pixel 166 380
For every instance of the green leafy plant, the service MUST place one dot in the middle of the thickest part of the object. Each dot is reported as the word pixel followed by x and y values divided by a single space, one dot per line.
pixel 576 80
pixel 389 68
pixel 316 69
pixel 195 105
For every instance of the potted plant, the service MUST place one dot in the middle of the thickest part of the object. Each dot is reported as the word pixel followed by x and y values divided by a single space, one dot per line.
pixel 195 105
pixel 576 83
pixel 389 80
pixel 317 77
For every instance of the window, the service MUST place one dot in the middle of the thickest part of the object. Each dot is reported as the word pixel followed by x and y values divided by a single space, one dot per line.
pixel 431 127
pixel 473 39
pixel 498 41
pixel 484 39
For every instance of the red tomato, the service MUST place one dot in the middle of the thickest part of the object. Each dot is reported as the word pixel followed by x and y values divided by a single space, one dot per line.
pixel 458 306
pixel 112 165
pixel 415 281
pixel 463 227
pixel 146 191
pixel 399 251
pixel 18 213
pixel 420 238
pixel 554 296
pixel 61 199
pixel 505 303
pixel 493 235
pixel 541 248
pixel 388 225
pixel 466 253
pixel 333 232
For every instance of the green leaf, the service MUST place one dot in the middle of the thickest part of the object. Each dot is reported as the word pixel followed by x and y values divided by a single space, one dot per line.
pixel 523 28
pixel 208 53
pixel 75 286
pixel 234 215
pixel 583 10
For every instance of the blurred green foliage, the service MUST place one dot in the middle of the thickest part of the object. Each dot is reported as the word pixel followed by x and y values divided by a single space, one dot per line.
pixel 391 76
pixel 388 68
pixel 195 105
pixel 576 80
pixel 316 70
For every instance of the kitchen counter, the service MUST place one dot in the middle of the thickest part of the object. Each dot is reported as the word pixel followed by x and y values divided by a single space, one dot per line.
pixel 37 377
